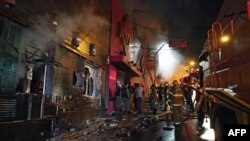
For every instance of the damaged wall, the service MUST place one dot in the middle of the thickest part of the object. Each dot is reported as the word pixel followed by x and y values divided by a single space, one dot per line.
pixel 88 17
pixel 10 36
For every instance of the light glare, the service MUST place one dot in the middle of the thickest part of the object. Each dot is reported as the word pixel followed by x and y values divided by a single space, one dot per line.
pixel 169 61
pixel 225 39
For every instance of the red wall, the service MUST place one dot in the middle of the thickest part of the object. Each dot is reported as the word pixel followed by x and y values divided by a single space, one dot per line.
pixel 112 87
pixel 117 18
pixel 117 15
pixel 116 42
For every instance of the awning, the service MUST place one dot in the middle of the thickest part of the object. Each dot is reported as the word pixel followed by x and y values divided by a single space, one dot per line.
pixel 119 62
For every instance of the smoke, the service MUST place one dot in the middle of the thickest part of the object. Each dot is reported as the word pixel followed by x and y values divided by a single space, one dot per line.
pixel 85 22
pixel 147 19
pixel 164 20
pixel 40 34
pixel 170 62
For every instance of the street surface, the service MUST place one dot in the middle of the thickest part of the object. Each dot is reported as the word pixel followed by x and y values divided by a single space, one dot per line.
pixel 143 127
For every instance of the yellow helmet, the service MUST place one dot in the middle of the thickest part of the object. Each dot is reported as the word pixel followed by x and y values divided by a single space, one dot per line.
pixel 175 83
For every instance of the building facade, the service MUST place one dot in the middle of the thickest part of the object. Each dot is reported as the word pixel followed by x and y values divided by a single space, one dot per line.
pixel 122 67
pixel 53 54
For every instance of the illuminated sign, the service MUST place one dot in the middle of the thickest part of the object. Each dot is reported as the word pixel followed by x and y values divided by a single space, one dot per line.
pixel 178 43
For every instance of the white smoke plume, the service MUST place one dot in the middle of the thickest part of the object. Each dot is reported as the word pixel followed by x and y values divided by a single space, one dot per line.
pixel 170 62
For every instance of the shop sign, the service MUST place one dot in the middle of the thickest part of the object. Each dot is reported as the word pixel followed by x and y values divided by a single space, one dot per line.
pixel 178 43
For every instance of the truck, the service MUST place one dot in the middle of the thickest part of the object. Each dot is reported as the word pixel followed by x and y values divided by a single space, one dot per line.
pixel 224 66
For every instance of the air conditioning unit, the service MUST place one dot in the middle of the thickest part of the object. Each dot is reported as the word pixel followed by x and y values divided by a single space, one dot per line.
pixel 75 42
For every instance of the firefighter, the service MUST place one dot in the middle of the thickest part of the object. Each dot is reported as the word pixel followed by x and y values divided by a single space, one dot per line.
pixel 165 104
pixel 162 99
pixel 187 91
pixel 201 111
pixel 177 100
pixel 153 99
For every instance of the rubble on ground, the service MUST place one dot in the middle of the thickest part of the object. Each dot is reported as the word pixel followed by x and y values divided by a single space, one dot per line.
pixel 116 127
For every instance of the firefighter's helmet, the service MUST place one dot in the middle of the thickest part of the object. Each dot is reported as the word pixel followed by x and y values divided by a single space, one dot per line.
pixel 175 83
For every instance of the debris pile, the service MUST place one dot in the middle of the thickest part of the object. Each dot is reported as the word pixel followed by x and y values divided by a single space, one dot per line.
pixel 114 127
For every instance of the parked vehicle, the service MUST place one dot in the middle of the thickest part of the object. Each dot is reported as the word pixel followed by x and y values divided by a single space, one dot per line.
pixel 224 70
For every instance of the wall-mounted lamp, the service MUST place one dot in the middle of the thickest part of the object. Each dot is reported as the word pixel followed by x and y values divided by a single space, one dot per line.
pixel 92 49
pixel 75 42
pixel 223 38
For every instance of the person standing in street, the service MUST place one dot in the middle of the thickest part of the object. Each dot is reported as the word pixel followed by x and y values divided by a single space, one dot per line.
pixel 118 98
pixel 153 100
pixel 138 95
pixel 131 89
pixel 125 98
pixel 165 97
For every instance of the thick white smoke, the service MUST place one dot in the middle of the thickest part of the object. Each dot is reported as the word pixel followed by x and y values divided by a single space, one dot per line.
pixel 170 62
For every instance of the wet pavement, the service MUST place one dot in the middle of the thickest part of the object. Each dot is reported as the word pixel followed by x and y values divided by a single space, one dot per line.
pixel 164 132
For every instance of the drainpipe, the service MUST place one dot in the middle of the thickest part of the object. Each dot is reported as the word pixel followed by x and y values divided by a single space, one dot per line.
pixel 29 79
pixel 44 88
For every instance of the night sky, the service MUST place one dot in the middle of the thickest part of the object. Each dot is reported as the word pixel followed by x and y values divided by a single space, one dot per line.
pixel 180 19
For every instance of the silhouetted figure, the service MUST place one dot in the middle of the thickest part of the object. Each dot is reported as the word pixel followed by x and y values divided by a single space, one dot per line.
pixel 138 95
pixel 177 100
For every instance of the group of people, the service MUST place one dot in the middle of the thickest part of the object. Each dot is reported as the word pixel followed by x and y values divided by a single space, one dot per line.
pixel 191 80
pixel 158 96
pixel 163 94
pixel 167 98
pixel 161 97
pixel 126 95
